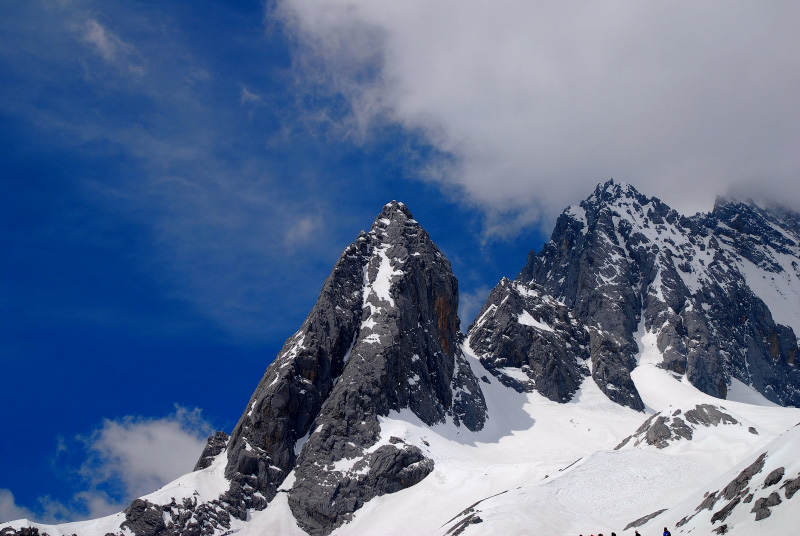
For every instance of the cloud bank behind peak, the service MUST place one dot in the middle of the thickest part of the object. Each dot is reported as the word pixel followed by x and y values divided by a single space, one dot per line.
pixel 536 102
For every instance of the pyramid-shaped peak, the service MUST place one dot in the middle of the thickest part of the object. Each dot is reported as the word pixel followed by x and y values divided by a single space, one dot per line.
pixel 394 208
pixel 616 193
pixel 614 190
pixel 394 220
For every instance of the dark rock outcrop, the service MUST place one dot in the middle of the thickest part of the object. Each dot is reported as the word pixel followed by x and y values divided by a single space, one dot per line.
pixel 214 446
pixel 666 426
pixel 23 531
pixel 790 487
pixel 642 520
pixel 187 518
pixel 774 477
pixel 405 354
pixel 623 262
pixel 530 341
pixel 762 506
pixel 144 518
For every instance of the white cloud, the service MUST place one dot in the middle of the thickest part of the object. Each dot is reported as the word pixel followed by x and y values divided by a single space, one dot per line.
pixel 132 456
pixel 9 510
pixel 110 47
pixel 301 231
pixel 144 454
pixel 86 504
pixel 248 97
pixel 539 101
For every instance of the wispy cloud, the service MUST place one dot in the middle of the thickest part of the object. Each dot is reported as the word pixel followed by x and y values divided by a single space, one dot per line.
pixel 248 97
pixel 110 47
pixel 213 200
pixel 301 231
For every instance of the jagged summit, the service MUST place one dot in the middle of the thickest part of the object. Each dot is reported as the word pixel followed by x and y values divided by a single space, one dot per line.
pixel 395 206
pixel 631 307
pixel 383 336
pixel 626 264
pixel 612 189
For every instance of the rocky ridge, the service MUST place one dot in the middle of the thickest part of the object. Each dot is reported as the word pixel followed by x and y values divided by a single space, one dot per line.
pixel 529 341
pixel 384 336
pixel 625 264
pixel 661 428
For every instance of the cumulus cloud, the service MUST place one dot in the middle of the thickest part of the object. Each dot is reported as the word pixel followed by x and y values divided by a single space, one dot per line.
pixel 122 459
pixel 536 102
pixel 10 510
pixel 144 453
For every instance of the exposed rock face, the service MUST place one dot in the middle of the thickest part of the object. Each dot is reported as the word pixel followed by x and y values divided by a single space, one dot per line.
pixel 214 446
pixel 530 341
pixel 791 487
pixel 737 490
pixel 642 520
pixel 24 531
pixel 762 506
pixel 624 262
pixel 144 518
pixel 405 353
pixel 187 518
pixel 288 398
pixel 664 427
pixel 384 335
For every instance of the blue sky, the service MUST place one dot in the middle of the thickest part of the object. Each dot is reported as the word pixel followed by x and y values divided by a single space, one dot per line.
pixel 171 204
pixel 178 178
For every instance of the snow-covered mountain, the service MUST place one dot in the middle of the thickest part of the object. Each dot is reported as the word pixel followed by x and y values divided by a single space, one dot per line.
pixel 640 371
pixel 720 291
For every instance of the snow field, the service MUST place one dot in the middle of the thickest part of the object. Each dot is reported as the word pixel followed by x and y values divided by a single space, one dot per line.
pixel 552 464
pixel 555 464
pixel 782 452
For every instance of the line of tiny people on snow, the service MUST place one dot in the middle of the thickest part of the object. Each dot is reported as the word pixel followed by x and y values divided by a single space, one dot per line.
pixel 636 533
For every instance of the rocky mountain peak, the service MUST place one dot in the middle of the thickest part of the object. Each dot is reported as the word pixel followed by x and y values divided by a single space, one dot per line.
pixel 625 282
pixel 629 208
pixel 611 192
pixel 392 208
pixel 530 341
pixel 394 215
pixel 626 264
pixel 383 336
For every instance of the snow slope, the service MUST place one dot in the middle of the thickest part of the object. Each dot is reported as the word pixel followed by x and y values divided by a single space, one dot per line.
pixel 553 464
pixel 781 458
pixel 541 467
